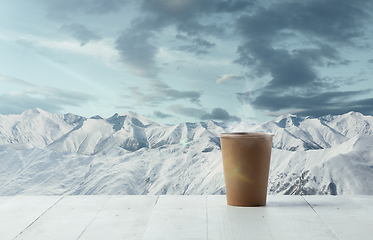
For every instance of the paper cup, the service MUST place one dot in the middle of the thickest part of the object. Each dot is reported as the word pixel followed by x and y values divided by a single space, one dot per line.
pixel 246 160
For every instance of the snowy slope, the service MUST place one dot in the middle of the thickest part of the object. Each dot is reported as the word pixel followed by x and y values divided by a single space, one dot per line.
pixel 131 132
pixel 44 153
pixel 35 127
pixel 345 169
pixel 193 168
pixel 296 133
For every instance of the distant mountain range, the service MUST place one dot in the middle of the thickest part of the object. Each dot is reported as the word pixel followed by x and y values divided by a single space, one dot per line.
pixel 45 153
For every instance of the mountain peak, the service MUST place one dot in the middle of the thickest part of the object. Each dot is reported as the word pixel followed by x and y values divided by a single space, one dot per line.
pixel 353 114
pixel 288 120
pixel 131 118
pixel 34 111
pixel 97 117
pixel 129 114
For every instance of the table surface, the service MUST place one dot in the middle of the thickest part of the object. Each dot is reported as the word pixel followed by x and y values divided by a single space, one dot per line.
pixel 184 217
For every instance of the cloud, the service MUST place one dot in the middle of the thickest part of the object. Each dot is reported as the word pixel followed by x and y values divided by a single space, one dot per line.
pixel 198 45
pixel 194 28
pixel 325 24
pixel 13 80
pixel 288 42
pixel 15 103
pixel 51 49
pixel 60 96
pixel 332 21
pixel 276 114
pixel 364 106
pixel 287 69
pixel 62 9
pixel 187 111
pixel 137 53
pixel 158 114
pixel 80 32
pixel 216 114
pixel 228 77
pixel 33 96
pixel 188 16
pixel 220 114
pixel 233 6
pixel 137 44
pixel 159 92
pixel 182 10
pixel 284 44
pixel 319 104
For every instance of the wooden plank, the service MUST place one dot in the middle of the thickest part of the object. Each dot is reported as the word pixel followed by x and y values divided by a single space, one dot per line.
pixel 284 217
pixel 67 219
pixel 122 217
pixel 344 216
pixel 227 222
pixel 17 213
pixel 366 201
pixel 184 217
pixel 291 217
pixel 178 217
pixel 4 200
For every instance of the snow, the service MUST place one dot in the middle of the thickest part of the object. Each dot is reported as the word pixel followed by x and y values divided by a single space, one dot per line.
pixel 53 154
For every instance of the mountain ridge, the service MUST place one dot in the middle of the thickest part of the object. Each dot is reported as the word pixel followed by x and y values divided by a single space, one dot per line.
pixel 131 154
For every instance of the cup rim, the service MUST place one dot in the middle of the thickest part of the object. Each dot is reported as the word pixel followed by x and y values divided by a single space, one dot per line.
pixel 246 135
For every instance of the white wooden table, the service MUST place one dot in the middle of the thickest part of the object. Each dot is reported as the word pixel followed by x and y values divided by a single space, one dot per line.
pixel 184 217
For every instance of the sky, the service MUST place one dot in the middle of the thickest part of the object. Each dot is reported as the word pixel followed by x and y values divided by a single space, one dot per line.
pixel 179 61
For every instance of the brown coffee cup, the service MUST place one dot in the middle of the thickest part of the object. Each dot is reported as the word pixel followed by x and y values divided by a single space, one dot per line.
pixel 246 160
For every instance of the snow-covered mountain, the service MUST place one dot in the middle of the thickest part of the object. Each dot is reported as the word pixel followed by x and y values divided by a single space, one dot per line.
pixel 36 127
pixel 45 153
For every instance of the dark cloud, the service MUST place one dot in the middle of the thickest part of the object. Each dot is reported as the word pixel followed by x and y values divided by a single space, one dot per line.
pixel 187 15
pixel 334 83
pixel 273 101
pixel 162 91
pixel 233 6
pixel 216 114
pixel 318 55
pixel 370 60
pixel 161 115
pixel 344 62
pixel 220 114
pixel 310 105
pixel 80 32
pixel 159 92
pixel 182 10
pixel 330 22
pixel 337 21
pixel 320 30
pixel 62 9
pixel 198 45
pixel 195 28
pixel 295 69
pixel 137 53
